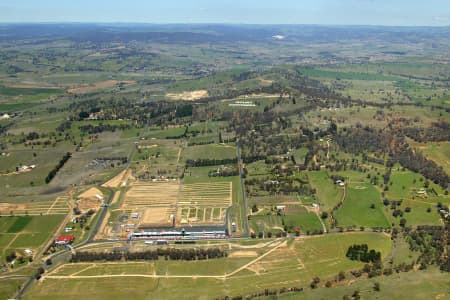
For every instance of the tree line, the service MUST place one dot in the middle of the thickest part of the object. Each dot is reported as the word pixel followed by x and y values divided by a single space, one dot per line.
pixel 167 253
pixel 55 170
pixel 201 162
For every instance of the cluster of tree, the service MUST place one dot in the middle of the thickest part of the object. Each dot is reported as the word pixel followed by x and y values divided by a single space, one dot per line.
pixel 65 125
pixel 32 136
pixel 201 162
pixel 94 129
pixel 10 257
pixel 122 159
pixel 362 253
pixel 431 242
pixel 160 113
pixel 184 111
pixel 371 159
pixel 438 132
pixel 264 294
pixel 201 143
pixel 417 162
pixel 224 172
pixel 361 140
pixel 5 128
pixel 281 186
pixel 39 273
pixel 55 170
pixel 167 253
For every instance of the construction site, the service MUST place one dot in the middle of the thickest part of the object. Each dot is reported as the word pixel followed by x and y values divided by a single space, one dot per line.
pixel 171 209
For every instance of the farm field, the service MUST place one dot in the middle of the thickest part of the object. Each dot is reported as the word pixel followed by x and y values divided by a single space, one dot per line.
pixel 212 151
pixel 356 209
pixel 26 232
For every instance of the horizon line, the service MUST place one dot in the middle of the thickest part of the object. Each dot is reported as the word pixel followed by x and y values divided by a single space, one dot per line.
pixel 214 23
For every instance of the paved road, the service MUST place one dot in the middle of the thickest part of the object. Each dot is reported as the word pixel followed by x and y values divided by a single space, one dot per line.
pixel 244 200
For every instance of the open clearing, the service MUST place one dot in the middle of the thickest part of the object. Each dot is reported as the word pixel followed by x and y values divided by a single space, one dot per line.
pixel 188 96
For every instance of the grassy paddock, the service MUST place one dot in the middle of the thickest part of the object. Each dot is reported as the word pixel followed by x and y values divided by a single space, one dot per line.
pixel 357 211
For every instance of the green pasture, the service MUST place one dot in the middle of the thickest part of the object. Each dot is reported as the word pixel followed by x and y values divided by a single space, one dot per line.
pixel 328 193
pixel 356 209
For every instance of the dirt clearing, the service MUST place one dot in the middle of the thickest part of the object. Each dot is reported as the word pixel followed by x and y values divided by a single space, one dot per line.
pixel 90 199
pixel 90 193
pixel 119 180
pixel 188 96
pixel 239 254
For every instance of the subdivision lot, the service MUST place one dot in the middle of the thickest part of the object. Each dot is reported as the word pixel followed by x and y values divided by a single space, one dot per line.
pixel 160 202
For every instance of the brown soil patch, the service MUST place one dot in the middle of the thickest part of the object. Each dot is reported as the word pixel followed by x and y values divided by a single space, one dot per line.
pixel 157 217
pixel 7 207
pixel 238 254
pixel 99 85
pixel 188 96
pixel 86 204
pixel 90 193
pixel 88 200
pixel 260 95
pixel 116 181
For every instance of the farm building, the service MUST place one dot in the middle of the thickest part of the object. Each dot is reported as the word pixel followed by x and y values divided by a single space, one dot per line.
pixel 64 239
pixel 5 117
pixel 340 182
pixel 25 168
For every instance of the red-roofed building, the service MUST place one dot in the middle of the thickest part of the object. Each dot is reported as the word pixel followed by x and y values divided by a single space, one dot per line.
pixel 64 239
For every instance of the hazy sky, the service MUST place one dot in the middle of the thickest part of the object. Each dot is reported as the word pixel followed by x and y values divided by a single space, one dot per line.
pixel 341 12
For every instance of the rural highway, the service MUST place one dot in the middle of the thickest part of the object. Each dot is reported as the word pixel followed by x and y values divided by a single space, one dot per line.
pixel 244 201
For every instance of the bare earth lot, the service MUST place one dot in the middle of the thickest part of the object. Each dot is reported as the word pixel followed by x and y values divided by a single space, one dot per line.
pixel 188 96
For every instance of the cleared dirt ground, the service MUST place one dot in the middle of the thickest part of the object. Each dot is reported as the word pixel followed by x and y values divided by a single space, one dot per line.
pixel 188 96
